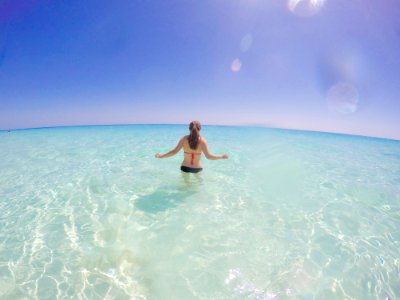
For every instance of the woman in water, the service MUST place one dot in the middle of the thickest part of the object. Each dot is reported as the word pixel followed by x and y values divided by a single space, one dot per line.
pixel 193 145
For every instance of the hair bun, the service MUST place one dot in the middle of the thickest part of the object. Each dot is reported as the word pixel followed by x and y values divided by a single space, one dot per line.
pixel 195 125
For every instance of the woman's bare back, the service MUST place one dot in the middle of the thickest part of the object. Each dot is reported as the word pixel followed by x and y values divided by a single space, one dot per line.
pixel 191 158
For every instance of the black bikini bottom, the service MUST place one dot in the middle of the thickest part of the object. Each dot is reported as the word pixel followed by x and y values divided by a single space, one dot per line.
pixel 190 170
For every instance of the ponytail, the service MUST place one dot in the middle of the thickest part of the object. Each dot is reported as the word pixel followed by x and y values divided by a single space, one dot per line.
pixel 194 135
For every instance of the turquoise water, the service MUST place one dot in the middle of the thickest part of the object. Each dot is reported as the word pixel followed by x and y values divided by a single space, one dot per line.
pixel 88 212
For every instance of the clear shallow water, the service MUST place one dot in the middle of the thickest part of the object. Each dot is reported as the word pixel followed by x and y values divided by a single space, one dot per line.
pixel 88 212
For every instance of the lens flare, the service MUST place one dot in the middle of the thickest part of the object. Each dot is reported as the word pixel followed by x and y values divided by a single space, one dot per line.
pixel 2 54
pixel 305 8
pixel 246 42
pixel 343 98
pixel 236 65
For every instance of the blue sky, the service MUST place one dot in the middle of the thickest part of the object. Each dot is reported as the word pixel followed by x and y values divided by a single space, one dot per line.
pixel 325 65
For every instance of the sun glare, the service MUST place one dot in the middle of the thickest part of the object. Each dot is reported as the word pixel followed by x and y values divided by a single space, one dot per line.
pixel 305 8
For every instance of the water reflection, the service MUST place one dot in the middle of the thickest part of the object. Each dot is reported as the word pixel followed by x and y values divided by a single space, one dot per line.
pixel 191 180
pixel 168 197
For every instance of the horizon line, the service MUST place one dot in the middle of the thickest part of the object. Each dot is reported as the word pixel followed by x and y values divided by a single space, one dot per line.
pixel 255 125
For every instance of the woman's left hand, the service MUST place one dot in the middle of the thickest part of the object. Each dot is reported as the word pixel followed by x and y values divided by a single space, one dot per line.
pixel 158 155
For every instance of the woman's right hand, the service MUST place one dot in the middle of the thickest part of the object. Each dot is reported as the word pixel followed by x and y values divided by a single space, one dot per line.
pixel 224 156
pixel 158 155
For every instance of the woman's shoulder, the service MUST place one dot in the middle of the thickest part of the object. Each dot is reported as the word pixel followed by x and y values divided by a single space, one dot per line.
pixel 202 140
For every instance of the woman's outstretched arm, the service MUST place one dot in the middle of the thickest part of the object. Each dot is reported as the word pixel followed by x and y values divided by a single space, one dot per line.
pixel 173 151
pixel 209 155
